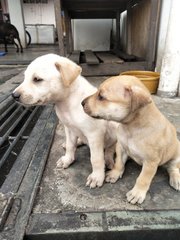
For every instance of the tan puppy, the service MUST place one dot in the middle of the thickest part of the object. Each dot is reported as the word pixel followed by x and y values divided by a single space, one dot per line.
pixel 144 133
pixel 54 79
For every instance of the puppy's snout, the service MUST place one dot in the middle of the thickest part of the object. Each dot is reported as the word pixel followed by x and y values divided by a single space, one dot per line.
pixel 85 105
pixel 16 96
pixel 83 102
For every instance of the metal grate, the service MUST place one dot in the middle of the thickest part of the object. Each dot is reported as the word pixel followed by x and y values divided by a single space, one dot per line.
pixel 16 123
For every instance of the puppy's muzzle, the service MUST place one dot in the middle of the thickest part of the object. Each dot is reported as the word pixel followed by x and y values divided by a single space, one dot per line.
pixel 16 96
pixel 85 107
pixel 83 103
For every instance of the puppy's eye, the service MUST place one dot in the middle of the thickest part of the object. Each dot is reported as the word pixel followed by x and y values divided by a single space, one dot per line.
pixel 100 97
pixel 37 79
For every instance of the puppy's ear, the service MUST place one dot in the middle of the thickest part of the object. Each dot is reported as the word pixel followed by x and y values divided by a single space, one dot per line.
pixel 69 71
pixel 138 97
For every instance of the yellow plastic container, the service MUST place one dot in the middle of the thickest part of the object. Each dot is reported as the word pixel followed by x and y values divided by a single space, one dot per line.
pixel 149 79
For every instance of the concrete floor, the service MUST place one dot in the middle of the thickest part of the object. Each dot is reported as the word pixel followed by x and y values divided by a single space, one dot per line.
pixel 65 190
pixel 62 190
pixel 29 54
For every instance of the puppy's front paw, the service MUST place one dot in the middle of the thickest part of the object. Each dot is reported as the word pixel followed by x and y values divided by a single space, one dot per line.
pixel 95 179
pixel 136 195
pixel 64 162
pixel 113 175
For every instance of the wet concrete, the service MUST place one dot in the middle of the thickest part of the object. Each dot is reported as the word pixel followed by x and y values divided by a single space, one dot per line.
pixel 28 55
pixel 65 190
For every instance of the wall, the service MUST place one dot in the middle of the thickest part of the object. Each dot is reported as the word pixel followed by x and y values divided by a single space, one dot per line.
pixel 123 30
pixel 139 22
pixel 134 29
pixel 92 34
pixel 164 18
pixel 170 54
pixel 39 13
pixel 17 18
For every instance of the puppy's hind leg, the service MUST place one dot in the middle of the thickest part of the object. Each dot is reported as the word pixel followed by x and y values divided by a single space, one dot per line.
pixel 109 156
pixel 117 171
pixel 173 169
pixel 69 157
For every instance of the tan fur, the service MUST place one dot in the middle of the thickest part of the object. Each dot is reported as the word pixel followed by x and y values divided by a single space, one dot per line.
pixel 144 133
pixel 69 71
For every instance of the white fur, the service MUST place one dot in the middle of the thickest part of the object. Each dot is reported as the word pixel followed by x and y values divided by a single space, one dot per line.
pixel 98 134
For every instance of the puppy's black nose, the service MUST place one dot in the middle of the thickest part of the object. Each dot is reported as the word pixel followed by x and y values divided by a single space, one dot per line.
pixel 83 102
pixel 16 96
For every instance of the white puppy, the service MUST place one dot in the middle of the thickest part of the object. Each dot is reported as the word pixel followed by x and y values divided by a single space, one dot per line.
pixel 54 79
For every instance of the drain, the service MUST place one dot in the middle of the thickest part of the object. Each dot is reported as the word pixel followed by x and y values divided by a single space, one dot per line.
pixel 16 124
